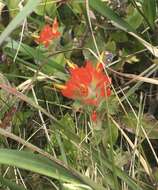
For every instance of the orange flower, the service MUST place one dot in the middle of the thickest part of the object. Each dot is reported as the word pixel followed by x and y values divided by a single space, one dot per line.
pixel 48 33
pixel 87 84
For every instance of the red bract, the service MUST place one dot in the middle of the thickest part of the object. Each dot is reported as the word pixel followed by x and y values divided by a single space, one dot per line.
pixel 48 33
pixel 87 84
pixel 94 116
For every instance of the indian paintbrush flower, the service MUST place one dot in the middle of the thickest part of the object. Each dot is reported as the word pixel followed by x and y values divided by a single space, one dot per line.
pixel 48 33
pixel 89 84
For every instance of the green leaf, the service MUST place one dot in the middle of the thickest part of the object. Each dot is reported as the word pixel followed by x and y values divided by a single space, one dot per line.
pixel 119 36
pixel 111 46
pixel 134 18
pixel 106 136
pixel 155 173
pixel 46 6
pixel 73 138
pixel 28 9
pixel 11 185
pixel 106 11
pixel 149 9
pixel 148 123
pixel 6 99
pixel 37 163
pixel 52 168
pixel 13 7
pixel 48 65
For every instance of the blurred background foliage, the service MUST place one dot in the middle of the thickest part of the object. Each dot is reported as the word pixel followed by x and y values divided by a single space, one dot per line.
pixel 120 155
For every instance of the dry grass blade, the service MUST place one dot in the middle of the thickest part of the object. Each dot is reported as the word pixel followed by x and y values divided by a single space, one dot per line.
pixel 142 160
pixel 136 77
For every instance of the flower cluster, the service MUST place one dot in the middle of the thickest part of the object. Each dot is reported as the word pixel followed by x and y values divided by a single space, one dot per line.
pixel 87 84
pixel 48 33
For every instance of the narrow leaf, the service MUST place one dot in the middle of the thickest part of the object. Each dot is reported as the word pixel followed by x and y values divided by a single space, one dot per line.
pixel 106 11
pixel 35 163
pixel 44 166
pixel 149 9
pixel 11 185
pixel 30 6
pixel 73 138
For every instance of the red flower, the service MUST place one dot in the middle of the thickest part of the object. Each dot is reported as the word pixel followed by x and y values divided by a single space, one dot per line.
pixel 94 116
pixel 87 84
pixel 48 33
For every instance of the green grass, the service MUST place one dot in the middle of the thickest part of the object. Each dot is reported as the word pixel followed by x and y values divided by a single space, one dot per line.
pixel 48 141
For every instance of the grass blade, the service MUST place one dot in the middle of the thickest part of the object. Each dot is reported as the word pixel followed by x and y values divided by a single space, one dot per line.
pixel 104 10
pixel 44 166
pixel 29 7
pixel 149 9
pixel 36 163
pixel 74 138
pixel 11 185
